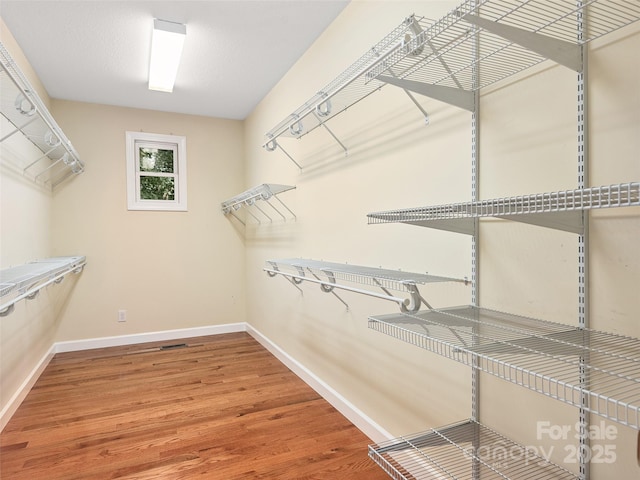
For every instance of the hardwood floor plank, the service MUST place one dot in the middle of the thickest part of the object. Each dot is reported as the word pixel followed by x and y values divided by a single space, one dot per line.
pixel 221 407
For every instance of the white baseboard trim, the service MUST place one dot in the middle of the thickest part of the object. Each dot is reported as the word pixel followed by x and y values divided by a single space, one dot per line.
pixel 14 402
pixel 365 424
pixel 121 340
pixel 370 428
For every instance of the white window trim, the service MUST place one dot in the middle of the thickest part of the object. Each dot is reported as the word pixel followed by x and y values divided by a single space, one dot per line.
pixel 134 202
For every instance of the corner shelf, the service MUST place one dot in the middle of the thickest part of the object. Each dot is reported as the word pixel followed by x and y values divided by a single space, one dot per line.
pixel 23 112
pixel 463 450
pixel 248 199
pixel 25 281
pixel 346 90
pixel 585 368
pixel 559 210
pixel 326 274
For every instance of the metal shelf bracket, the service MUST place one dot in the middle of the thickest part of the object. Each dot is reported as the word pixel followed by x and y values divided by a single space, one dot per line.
pixel 562 52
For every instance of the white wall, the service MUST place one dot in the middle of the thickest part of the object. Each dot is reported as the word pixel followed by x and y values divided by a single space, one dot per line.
pixel 527 145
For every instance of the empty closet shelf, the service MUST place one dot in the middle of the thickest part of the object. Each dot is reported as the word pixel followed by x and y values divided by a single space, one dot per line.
pixel 463 450
pixel 498 38
pixel 249 200
pixel 559 210
pixel 24 281
pixel 554 359
pixel 31 140
pixel 329 274
pixel 348 88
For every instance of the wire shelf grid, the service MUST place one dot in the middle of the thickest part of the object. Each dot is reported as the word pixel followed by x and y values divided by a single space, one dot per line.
pixel 458 451
pixel 348 88
pixel 24 112
pixel 560 361
pixel 263 192
pixel 449 57
pixel 369 276
pixel 24 281
pixel 610 196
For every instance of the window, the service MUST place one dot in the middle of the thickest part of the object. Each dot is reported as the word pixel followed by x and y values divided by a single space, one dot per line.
pixel 156 171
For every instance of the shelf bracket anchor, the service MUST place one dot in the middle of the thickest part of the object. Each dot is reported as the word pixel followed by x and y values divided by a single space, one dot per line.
pixel 330 132
pixel 453 96
pixel 272 145
pixel 560 51
pixel 415 299
pixel 329 288
pixel 8 310
pixel 275 271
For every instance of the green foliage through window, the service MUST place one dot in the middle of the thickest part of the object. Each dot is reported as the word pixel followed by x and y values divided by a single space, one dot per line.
pixel 157 188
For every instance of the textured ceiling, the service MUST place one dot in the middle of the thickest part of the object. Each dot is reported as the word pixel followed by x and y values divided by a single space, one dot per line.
pixel 234 53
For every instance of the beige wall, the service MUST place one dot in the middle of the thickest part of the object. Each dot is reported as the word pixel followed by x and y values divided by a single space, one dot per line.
pixel 168 270
pixel 27 334
pixel 527 145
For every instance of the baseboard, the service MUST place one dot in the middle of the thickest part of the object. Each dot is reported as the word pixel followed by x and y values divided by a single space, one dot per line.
pixel 370 428
pixel 374 431
pixel 14 402
pixel 121 340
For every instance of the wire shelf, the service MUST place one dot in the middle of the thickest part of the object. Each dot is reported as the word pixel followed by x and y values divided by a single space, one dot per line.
pixel 348 88
pixel 561 210
pixel 248 199
pixel 24 112
pixel 585 368
pixel 24 281
pixel 370 276
pixel 327 274
pixel 499 38
pixel 462 451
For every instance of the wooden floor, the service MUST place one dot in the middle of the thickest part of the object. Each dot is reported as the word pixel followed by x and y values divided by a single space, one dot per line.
pixel 221 408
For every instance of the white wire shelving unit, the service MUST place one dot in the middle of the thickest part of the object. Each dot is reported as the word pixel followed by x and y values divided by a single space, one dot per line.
pixel 560 210
pixel 328 275
pixel 350 87
pixel 26 281
pixel 549 358
pixel 484 41
pixel 32 142
pixel 474 46
pixel 250 199
pixel 460 451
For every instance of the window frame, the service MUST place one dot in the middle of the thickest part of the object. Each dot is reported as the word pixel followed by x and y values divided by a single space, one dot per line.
pixel 137 140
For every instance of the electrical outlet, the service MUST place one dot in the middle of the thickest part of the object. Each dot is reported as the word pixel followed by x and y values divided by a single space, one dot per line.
pixel 122 315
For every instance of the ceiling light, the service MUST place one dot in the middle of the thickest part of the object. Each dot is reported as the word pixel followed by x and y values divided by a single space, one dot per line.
pixel 166 48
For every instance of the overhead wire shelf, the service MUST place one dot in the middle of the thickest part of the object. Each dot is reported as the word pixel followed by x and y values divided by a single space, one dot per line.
pixel 561 210
pixel 25 281
pixel 462 451
pixel 42 152
pixel 499 38
pixel 347 89
pixel 597 371
pixel 327 274
pixel 262 193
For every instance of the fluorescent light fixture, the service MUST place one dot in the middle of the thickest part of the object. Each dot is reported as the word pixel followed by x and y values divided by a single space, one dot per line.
pixel 166 48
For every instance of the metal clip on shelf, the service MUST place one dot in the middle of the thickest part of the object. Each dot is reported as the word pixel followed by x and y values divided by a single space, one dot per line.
pixel 327 274
pixel 248 199
pixel 24 112
pixel 347 89
pixel 26 281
